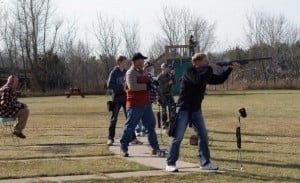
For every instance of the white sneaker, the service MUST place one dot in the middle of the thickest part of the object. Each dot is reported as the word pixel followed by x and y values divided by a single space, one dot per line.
pixel 209 166
pixel 110 142
pixel 137 134
pixel 171 168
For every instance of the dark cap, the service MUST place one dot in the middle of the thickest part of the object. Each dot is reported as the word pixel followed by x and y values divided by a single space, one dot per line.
pixel 147 64
pixel 137 56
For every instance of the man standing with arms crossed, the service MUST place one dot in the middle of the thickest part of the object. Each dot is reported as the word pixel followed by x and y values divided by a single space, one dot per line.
pixel 138 105
pixel 165 95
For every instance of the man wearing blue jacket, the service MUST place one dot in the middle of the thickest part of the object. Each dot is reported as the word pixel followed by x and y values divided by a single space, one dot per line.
pixel 116 84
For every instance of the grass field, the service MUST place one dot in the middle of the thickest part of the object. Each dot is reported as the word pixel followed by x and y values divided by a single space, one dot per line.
pixel 68 137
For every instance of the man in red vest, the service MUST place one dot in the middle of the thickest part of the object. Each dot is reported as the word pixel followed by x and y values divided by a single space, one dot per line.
pixel 138 105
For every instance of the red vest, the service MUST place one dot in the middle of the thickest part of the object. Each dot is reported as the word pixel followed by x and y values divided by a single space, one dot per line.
pixel 137 98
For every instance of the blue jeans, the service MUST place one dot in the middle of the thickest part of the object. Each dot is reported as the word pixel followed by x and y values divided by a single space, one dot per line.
pixel 140 128
pixel 134 116
pixel 199 127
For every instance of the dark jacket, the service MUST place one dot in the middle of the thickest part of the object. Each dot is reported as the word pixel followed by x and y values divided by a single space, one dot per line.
pixel 164 87
pixel 193 86
pixel 116 84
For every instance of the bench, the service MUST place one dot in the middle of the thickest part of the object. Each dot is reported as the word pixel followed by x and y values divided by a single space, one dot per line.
pixel 74 91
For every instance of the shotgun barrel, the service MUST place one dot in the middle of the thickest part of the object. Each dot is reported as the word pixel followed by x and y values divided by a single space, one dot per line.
pixel 243 61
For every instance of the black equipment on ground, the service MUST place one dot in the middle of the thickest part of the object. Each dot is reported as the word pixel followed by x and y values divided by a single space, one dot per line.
pixel 243 114
pixel 110 105
pixel 193 140
pixel 158 116
pixel 242 61
pixel 173 121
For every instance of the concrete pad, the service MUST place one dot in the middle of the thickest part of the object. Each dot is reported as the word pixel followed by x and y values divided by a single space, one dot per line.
pixel 55 179
pixel 142 154
pixel 136 174
pixel 137 153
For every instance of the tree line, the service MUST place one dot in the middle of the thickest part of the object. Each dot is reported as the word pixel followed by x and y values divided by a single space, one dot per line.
pixel 48 55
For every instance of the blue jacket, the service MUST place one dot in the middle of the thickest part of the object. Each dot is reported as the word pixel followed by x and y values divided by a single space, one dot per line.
pixel 116 84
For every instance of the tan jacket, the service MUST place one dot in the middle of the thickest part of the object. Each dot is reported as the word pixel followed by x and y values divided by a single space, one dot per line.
pixel 136 88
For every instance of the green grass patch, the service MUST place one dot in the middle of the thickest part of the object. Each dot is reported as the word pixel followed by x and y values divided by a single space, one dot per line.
pixel 56 167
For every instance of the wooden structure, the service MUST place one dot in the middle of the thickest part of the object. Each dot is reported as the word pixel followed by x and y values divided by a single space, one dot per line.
pixel 177 52
pixel 178 58
pixel 74 91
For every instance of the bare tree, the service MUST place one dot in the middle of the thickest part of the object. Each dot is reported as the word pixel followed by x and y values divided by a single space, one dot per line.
pixel 66 42
pixel 106 33
pixel 268 34
pixel 157 48
pixel 131 37
pixel 8 34
pixel 29 34
pixel 204 33
pixel 171 23
pixel 176 25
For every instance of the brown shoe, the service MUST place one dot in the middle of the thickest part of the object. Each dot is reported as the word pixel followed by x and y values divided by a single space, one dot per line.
pixel 20 135
pixel 155 151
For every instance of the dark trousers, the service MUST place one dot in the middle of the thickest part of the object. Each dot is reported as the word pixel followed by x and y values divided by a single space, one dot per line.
pixel 191 51
pixel 114 118
pixel 167 101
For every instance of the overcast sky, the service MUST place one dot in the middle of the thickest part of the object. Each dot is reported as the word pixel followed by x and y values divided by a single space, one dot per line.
pixel 229 15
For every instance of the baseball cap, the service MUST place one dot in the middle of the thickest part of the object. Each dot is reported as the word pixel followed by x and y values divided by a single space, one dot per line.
pixel 137 56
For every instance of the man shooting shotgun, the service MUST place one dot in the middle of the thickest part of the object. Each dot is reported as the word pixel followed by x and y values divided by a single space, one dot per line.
pixel 243 61
pixel 192 90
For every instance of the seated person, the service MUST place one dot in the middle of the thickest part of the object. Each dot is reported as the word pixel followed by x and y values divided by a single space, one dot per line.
pixel 10 107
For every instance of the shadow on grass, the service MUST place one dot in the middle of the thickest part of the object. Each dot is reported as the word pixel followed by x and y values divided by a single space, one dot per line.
pixel 290 166
pixel 259 177
pixel 250 134
pixel 255 151
pixel 100 113
pixel 56 149
pixel 69 144
pixel 216 93
pixel 247 141
pixel 59 127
